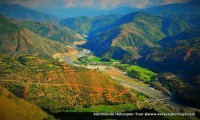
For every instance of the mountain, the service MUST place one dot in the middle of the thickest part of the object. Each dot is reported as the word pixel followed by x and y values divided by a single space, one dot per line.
pixel 15 40
pixel 174 26
pixel 51 31
pixel 178 54
pixel 183 92
pixel 17 109
pixel 190 8
pixel 51 85
pixel 184 55
pixel 132 34
pixel 85 25
pixel 191 19
pixel 56 86
pixel 20 12
pixel 171 40
pixel 180 51
pixel 79 12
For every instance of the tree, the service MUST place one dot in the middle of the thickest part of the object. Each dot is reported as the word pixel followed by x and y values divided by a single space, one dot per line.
pixel 153 79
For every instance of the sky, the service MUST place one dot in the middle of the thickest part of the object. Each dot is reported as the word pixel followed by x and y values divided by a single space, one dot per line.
pixel 101 4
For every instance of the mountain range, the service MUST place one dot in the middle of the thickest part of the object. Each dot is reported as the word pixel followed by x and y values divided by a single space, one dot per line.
pixel 15 40
pixel 90 12
pixel 85 24
pixel 164 39
pixel 180 51
pixel 20 12
pixel 62 13
pixel 49 14
pixel 134 33
pixel 51 31
pixel 160 43
pixel 190 8
pixel 26 59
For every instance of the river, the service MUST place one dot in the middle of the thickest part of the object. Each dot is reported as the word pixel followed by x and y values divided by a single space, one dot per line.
pixel 144 89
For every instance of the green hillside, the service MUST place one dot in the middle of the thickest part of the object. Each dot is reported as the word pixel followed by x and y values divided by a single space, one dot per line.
pixel 178 54
pixel 189 8
pixel 172 26
pixel 147 61
pixel 57 86
pixel 20 12
pixel 15 40
pixel 182 54
pixel 171 40
pixel 183 92
pixel 51 31
pixel 192 19
pixel 85 25
pixel 183 46
pixel 134 33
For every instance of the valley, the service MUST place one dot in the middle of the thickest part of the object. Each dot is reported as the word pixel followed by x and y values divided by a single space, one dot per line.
pixel 125 80
pixel 97 59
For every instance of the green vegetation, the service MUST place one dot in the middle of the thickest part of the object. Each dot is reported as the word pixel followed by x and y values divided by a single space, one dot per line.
pixel 138 72
pixel 7 27
pixel 85 25
pixel 182 54
pixel 57 86
pixel 93 60
pixel 20 12
pixel 133 33
pixel 15 41
pixel 141 96
pixel 107 108
pixel 170 26
pixel 53 86
pixel 42 82
pixel 51 31
pixel 174 10
pixel 183 92
pixel 178 54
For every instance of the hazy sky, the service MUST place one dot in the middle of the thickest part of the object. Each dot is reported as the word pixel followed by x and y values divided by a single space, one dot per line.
pixel 103 4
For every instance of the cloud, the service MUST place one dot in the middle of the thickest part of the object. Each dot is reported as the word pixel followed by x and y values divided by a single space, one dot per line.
pixel 73 3
pixel 141 4
pixel 89 2
pixel 104 4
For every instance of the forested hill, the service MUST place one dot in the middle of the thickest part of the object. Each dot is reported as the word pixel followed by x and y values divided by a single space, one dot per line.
pixel 15 40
